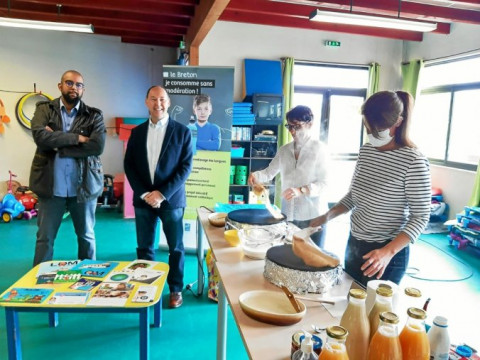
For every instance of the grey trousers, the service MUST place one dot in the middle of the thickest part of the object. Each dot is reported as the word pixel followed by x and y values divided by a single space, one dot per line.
pixel 50 215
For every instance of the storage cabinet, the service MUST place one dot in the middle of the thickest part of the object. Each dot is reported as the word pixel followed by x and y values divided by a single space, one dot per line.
pixel 259 144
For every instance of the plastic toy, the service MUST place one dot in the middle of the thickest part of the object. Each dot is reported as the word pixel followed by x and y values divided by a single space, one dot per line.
pixel 11 207
pixel 25 197
pixel 112 194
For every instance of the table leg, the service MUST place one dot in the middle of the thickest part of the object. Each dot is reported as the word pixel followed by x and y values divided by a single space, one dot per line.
pixel 157 313
pixel 13 334
pixel 144 333
pixel 221 323
pixel 52 319
pixel 200 257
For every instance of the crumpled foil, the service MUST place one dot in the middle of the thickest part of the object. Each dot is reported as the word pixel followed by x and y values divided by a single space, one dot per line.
pixel 302 282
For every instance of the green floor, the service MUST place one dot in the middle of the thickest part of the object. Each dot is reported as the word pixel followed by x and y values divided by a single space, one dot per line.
pixel 191 329
pixel 188 332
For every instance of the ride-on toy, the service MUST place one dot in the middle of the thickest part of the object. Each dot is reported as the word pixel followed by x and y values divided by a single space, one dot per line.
pixel 11 207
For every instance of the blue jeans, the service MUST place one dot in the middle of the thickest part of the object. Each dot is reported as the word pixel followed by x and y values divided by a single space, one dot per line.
pixel 50 215
pixel 146 222
pixel 319 237
pixel 355 251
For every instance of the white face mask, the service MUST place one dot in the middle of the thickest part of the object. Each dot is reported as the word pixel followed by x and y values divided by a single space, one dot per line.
pixel 383 138
pixel 302 136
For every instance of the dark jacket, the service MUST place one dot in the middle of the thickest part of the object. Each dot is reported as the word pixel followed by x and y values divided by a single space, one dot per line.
pixel 173 167
pixel 88 122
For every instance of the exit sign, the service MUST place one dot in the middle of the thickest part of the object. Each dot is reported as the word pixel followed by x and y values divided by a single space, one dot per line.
pixel 332 43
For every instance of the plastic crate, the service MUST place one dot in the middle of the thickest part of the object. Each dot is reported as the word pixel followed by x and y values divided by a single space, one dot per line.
pixel 237 152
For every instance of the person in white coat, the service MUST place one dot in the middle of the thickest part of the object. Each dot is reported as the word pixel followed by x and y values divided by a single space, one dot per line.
pixel 302 165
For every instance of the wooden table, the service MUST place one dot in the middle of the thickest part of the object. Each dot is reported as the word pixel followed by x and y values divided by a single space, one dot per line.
pixel 29 281
pixel 239 274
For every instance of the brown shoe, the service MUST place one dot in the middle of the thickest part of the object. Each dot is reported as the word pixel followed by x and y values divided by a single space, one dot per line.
pixel 176 299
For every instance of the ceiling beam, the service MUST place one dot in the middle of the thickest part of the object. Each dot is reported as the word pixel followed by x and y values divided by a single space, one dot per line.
pixel 206 14
pixel 148 7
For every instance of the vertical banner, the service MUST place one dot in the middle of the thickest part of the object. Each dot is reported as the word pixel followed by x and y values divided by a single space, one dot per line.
pixel 202 98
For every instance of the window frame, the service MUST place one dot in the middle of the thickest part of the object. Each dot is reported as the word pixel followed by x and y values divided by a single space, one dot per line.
pixel 451 89
pixel 327 92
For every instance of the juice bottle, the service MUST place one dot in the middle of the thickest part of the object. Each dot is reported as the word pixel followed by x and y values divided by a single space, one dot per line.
pixel 412 297
pixel 414 339
pixel 356 322
pixel 385 344
pixel 334 348
pixel 383 302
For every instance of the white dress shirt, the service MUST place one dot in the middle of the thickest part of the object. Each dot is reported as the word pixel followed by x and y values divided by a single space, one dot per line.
pixel 155 136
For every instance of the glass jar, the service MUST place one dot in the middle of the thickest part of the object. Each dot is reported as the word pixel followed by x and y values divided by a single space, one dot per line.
pixel 414 339
pixel 412 297
pixel 334 348
pixel 356 322
pixel 385 344
pixel 383 303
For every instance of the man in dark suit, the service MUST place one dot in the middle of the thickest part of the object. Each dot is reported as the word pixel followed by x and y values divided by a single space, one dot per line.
pixel 157 163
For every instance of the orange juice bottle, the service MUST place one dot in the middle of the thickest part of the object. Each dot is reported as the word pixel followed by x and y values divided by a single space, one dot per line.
pixel 334 348
pixel 383 302
pixel 385 344
pixel 414 339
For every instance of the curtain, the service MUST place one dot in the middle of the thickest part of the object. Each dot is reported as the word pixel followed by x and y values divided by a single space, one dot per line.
pixel 411 76
pixel 475 199
pixel 373 79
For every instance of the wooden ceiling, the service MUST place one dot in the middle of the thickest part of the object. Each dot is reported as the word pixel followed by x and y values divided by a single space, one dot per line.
pixel 167 22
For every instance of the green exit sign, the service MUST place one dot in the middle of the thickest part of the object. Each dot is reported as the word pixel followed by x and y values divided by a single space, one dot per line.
pixel 332 43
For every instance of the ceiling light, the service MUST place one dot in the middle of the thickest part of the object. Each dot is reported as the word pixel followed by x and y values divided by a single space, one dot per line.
pixel 369 20
pixel 45 25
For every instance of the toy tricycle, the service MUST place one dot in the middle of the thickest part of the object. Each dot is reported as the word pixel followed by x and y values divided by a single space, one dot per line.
pixel 10 207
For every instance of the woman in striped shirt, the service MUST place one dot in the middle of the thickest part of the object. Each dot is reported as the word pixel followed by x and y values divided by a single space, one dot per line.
pixel 390 193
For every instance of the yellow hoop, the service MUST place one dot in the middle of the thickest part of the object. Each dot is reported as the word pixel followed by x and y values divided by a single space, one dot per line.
pixel 25 119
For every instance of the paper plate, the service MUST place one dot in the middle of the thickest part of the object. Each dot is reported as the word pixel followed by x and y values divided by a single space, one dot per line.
pixel 272 307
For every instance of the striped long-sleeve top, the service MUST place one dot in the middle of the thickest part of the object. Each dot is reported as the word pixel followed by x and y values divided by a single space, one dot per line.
pixel 390 192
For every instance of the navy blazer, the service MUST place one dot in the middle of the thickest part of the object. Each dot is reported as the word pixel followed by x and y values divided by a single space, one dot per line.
pixel 173 167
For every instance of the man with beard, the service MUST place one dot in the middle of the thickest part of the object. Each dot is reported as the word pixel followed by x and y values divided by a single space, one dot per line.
pixel 66 171
pixel 303 165
pixel 158 161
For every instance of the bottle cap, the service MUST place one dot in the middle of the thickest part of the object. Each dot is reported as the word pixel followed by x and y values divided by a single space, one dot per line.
pixel 410 291
pixel 463 350
pixel 389 317
pixel 440 321
pixel 384 291
pixel 337 332
pixel 358 293
pixel 417 313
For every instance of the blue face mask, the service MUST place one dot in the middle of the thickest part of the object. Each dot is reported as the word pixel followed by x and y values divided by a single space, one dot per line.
pixel 383 138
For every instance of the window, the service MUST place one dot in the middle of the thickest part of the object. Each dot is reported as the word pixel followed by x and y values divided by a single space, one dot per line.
pixel 446 119
pixel 335 94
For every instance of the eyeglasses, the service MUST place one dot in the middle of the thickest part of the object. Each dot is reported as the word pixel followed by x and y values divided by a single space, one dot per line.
pixel 78 85
pixel 295 127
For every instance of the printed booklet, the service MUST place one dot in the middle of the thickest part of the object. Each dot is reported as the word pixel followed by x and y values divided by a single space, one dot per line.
pixel 119 276
pixel 111 294
pixel 85 284
pixel 69 298
pixel 26 295
pixel 51 267
pixel 146 276
pixel 140 264
pixel 95 268
pixel 46 278
pixel 67 276
pixel 145 294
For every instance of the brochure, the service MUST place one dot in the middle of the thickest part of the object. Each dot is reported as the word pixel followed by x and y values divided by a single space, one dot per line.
pixel 67 276
pixel 140 264
pixel 50 267
pixel 95 268
pixel 69 298
pixel 85 284
pixel 46 278
pixel 111 294
pixel 26 295
pixel 119 276
pixel 146 276
pixel 145 294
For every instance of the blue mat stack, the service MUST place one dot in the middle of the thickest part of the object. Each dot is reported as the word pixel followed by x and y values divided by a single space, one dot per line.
pixel 242 114
pixel 467 230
